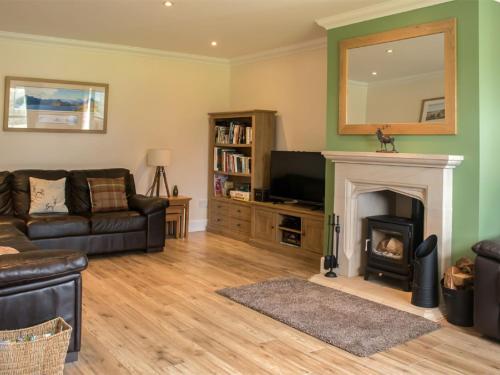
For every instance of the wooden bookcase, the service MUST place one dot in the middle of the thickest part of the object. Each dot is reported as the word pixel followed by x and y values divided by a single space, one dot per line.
pixel 228 216
pixel 260 223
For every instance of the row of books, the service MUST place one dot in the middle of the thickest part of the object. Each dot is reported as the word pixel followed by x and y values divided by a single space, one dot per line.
pixel 230 161
pixel 233 134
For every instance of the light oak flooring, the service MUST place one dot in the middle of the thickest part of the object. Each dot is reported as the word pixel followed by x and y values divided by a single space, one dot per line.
pixel 158 314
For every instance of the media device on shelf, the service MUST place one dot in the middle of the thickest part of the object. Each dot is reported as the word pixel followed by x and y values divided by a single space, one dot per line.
pixel 298 177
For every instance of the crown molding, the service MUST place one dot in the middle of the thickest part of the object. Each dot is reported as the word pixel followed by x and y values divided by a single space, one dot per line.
pixel 310 45
pixel 119 48
pixel 107 47
pixel 371 12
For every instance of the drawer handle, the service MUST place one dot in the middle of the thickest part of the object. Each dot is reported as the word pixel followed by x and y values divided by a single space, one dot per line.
pixel 238 211
pixel 218 220
pixel 238 225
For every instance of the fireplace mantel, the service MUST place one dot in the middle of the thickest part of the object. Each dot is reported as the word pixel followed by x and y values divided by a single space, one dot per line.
pixel 401 159
pixel 426 177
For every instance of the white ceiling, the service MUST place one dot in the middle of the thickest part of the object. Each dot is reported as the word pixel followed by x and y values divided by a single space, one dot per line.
pixel 410 57
pixel 241 27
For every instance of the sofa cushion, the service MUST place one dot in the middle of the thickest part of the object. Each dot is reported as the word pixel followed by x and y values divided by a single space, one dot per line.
pixel 117 222
pixel 12 237
pixel 108 194
pixel 56 225
pixel 488 248
pixel 80 193
pixel 5 194
pixel 47 196
pixel 40 265
pixel 15 221
pixel 21 194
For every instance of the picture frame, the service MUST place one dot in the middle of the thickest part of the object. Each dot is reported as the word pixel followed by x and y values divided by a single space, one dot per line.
pixel 433 110
pixel 48 105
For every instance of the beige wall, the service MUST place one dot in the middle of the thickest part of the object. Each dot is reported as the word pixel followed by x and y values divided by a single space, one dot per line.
pixel 153 102
pixel 159 101
pixel 295 85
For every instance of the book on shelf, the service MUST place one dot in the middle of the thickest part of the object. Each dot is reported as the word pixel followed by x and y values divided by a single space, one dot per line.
pixel 228 160
pixel 233 134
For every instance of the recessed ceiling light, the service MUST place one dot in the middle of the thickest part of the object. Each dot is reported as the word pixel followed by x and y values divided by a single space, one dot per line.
pixel 389 50
pixel 168 3
pixel 374 73
pixel 214 43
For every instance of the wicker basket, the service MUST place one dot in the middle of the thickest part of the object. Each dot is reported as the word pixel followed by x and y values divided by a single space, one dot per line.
pixel 42 356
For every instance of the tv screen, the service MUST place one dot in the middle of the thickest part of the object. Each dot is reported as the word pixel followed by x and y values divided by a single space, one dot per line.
pixel 298 176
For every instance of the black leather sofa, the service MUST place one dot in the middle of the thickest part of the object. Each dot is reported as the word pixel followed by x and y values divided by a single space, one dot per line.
pixel 43 282
pixel 487 288
pixel 142 227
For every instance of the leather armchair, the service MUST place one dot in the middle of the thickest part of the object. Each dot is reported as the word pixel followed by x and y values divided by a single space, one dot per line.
pixel 39 285
pixel 487 288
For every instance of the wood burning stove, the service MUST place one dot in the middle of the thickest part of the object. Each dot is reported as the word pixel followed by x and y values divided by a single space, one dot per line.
pixel 390 245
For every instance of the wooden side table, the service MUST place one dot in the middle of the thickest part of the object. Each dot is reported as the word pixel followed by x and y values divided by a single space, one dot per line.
pixel 179 206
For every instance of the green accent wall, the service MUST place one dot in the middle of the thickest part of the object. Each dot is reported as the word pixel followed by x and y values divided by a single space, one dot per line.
pixel 475 216
pixel 489 118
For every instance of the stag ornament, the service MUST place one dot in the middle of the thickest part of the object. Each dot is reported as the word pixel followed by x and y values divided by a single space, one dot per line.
pixel 384 141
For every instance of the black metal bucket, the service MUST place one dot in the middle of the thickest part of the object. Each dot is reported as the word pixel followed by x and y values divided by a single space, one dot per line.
pixel 425 290
pixel 459 305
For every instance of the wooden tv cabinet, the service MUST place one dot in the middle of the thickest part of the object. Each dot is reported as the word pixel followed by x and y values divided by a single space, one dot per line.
pixel 268 225
pixel 286 225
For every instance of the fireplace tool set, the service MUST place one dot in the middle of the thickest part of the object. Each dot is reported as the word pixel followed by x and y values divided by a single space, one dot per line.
pixel 332 261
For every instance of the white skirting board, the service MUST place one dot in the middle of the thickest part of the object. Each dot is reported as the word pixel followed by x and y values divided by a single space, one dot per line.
pixel 198 225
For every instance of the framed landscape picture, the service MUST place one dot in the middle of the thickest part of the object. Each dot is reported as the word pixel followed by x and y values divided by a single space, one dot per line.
pixel 433 110
pixel 43 105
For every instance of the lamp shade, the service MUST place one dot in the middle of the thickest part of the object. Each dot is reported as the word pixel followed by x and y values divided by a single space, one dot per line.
pixel 158 157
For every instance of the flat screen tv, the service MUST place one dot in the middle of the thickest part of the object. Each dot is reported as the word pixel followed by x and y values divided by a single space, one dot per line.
pixel 298 176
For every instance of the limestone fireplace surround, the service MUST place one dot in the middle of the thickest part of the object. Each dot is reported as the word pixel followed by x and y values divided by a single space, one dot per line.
pixel 426 177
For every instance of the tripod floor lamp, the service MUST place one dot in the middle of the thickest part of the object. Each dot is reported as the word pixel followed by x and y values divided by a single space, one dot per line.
pixel 159 158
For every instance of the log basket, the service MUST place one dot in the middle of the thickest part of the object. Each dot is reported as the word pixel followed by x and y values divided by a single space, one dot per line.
pixel 43 355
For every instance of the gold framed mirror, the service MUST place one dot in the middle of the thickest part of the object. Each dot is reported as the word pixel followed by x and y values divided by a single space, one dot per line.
pixel 403 81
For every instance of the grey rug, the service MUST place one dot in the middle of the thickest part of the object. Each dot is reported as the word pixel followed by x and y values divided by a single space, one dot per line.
pixel 349 322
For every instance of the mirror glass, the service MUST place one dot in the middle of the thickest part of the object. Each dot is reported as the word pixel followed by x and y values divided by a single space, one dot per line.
pixel 397 82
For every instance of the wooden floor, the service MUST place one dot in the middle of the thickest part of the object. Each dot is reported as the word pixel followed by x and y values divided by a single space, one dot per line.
pixel 158 314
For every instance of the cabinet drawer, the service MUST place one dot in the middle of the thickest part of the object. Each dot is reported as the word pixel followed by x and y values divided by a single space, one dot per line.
pixel 219 208
pixel 240 212
pixel 240 225
pixel 218 220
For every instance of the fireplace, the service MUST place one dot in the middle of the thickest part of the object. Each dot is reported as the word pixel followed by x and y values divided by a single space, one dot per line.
pixel 361 180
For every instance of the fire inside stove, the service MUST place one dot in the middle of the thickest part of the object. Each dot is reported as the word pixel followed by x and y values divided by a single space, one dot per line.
pixel 388 244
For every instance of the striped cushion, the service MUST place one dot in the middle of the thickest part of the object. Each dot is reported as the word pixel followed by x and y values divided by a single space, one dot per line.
pixel 107 194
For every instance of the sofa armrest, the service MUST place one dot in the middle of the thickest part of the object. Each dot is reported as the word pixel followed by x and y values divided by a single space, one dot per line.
pixel 37 265
pixel 488 248
pixel 147 205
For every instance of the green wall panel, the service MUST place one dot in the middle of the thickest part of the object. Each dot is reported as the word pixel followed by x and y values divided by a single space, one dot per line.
pixel 466 202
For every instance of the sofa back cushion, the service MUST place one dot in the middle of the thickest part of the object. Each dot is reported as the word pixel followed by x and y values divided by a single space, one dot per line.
pixel 108 194
pixel 48 196
pixel 21 193
pixel 5 194
pixel 80 193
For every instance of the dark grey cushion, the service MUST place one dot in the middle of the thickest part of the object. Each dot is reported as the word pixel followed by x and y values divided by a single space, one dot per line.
pixel 117 222
pixel 488 248
pixel 56 225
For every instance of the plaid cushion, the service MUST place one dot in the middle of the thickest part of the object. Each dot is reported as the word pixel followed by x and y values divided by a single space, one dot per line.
pixel 107 194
